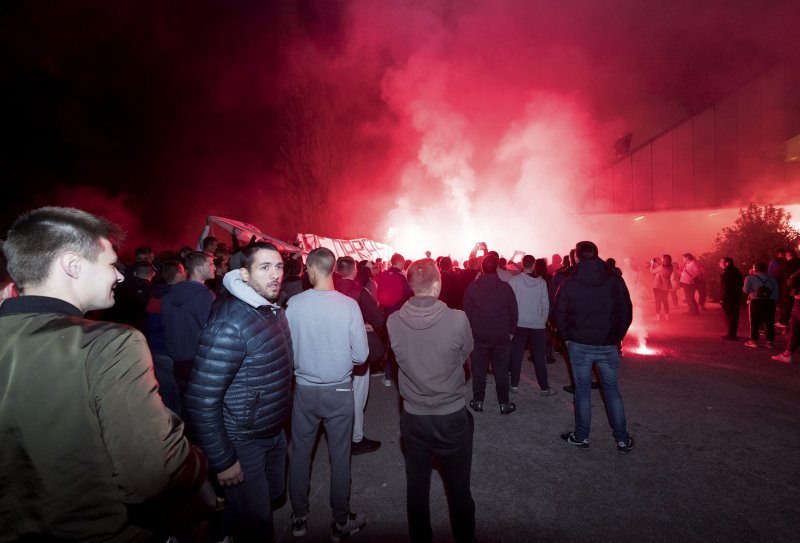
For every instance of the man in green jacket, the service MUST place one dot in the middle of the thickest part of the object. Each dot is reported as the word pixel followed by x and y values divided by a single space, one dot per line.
pixel 84 437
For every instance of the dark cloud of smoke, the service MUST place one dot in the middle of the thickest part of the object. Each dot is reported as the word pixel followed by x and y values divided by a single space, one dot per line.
pixel 346 118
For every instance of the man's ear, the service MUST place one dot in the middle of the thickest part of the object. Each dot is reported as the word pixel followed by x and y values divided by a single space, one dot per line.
pixel 8 291
pixel 245 274
pixel 70 264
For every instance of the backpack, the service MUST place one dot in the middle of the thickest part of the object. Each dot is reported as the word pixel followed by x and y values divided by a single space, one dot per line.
pixel 763 291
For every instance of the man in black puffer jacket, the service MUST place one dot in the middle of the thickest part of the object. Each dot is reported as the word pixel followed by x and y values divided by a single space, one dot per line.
pixel 593 311
pixel 238 396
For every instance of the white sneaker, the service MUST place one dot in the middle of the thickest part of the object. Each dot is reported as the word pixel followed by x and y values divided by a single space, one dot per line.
pixel 387 382
pixel 783 357
pixel 751 344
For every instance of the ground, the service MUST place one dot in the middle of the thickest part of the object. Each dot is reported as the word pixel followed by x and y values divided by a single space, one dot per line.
pixel 716 457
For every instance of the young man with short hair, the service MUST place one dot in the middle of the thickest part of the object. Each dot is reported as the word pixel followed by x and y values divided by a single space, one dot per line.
pixel 431 342
pixel 86 438
pixel 328 338
pixel 237 401
pixel 185 309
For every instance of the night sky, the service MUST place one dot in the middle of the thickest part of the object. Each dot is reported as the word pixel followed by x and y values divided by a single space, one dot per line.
pixel 345 117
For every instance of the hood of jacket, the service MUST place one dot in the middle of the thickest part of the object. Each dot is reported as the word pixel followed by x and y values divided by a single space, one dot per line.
pixel 160 290
pixel 592 273
pixel 422 312
pixel 488 283
pixel 528 279
pixel 184 292
pixel 234 283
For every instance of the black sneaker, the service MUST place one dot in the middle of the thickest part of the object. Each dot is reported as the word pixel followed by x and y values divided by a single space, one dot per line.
pixel 507 408
pixel 624 447
pixel 569 388
pixel 364 446
pixel 570 438
pixel 352 525
pixel 476 405
pixel 299 525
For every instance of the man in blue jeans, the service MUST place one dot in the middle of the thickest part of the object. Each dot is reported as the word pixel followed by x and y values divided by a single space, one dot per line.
pixel 593 311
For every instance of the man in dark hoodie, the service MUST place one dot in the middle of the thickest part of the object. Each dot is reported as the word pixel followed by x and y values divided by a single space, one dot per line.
pixel 730 295
pixel 373 321
pixel 593 311
pixel 431 342
pixel 173 272
pixel 491 308
pixel 185 309
pixel 393 292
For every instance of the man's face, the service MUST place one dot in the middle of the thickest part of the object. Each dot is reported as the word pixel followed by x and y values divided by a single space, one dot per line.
pixel 265 274
pixel 207 270
pixel 98 279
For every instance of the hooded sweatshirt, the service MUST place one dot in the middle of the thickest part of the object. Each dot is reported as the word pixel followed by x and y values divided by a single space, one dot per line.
pixel 533 303
pixel 431 342
pixel 593 306
pixel 491 306
pixel 185 309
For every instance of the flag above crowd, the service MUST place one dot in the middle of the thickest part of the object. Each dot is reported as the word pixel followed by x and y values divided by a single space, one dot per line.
pixel 359 249
pixel 244 232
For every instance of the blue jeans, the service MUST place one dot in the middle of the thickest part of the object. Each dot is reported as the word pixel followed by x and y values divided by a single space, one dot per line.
pixel 608 360
pixel 167 385
pixel 248 515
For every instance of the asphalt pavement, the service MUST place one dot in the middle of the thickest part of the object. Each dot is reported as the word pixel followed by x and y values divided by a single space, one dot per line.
pixel 716 457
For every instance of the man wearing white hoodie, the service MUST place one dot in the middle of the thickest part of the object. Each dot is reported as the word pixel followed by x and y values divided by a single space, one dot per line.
pixel 533 306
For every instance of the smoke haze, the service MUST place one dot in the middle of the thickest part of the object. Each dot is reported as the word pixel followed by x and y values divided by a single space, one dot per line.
pixel 444 122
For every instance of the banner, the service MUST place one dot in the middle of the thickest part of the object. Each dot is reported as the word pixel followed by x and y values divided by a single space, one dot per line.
pixel 243 232
pixel 359 249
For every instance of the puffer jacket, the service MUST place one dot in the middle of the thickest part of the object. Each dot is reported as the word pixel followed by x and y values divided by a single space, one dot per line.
pixel 593 306
pixel 239 388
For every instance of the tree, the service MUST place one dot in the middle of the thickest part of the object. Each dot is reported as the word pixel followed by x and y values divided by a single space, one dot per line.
pixel 755 235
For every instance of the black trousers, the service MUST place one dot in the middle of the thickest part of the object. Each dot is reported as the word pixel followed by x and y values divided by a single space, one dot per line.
pixel 731 309
pixel 496 349
pixel 762 311
pixel 446 439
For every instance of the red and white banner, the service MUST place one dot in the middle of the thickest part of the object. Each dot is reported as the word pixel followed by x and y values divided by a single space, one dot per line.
pixel 359 249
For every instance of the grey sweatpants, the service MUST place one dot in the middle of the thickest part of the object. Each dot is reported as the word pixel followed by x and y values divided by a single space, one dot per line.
pixel 333 406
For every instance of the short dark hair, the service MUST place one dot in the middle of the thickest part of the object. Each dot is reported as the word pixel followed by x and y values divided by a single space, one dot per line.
pixel 540 267
pixel 585 250
pixel 141 251
pixel 142 269
pixel 345 265
pixel 688 256
pixel 170 270
pixel 446 263
pixel 489 265
pixel 422 274
pixel 728 260
pixel 37 237
pixel 322 260
pixel 5 278
pixel 208 241
pixel 760 267
pixel 397 260
pixel 528 261
pixel 194 260
pixel 250 251
pixel 292 267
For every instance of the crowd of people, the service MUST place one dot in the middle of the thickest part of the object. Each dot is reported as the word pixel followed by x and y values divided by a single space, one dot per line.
pixel 182 385
pixel 769 291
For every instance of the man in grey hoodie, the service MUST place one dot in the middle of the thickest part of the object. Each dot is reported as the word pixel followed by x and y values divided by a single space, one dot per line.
pixel 533 306
pixel 431 342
